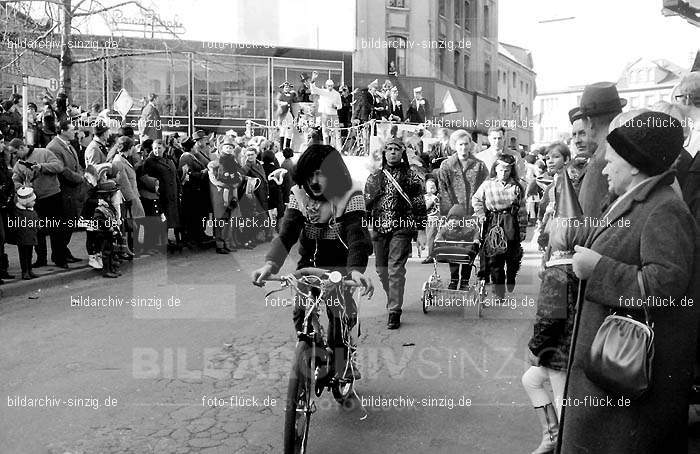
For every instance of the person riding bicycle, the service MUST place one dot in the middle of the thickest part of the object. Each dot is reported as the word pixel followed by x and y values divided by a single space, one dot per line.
pixel 324 214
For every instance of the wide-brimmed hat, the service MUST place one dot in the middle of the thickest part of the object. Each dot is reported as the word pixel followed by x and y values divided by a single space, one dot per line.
pixel 650 141
pixel 601 98
pixel 575 114
pixel 199 134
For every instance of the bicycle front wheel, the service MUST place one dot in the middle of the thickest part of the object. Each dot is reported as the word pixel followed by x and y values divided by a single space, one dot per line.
pixel 297 412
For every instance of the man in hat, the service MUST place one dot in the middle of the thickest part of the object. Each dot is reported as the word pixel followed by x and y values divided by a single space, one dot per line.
pixel 285 116
pixel 396 209
pixel 149 124
pixel 303 91
pixel 328 104
pixel 650 253
pixel 96 152
pixel 600 103
pixel 418 109
pixel 195 189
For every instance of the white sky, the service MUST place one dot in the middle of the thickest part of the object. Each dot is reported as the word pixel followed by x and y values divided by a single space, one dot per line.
pixel 605 36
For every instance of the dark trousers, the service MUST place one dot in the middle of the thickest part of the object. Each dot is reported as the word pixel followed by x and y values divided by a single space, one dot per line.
pixel 391 251
pixel 455 275
pixel 504 267
pixel 51 208
pixel 25 257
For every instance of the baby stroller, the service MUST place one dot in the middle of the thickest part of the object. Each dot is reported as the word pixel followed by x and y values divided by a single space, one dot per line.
pixel 435 292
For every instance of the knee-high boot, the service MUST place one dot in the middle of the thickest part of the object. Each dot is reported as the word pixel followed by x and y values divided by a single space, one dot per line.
pixel 550 429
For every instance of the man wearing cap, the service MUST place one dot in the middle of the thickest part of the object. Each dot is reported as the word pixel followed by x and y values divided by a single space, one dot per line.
pixel 583 148
pixel 149 124
pixel 328 104
pixel 96 152
pixel 285 116
pixel 640 258
pixel 600 103
pixel 396 209
pixel 418 109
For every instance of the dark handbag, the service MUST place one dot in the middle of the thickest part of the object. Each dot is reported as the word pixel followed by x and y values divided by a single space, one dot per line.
pixel 622 354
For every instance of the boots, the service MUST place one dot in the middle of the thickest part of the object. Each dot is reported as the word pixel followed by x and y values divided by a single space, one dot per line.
pixel 4 265
pixel 550 428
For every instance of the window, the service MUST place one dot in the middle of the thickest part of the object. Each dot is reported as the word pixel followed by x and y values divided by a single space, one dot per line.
pixel 633 77
pixel 513 109
pixel 397 3
pixel 455 72
pixel 487 78
pixel 396 56
pixel 442 7
pixel 527 114
pixel 527 88
pixel 466 71
pixel 503 107
pixel 441 61
pixel 487 19
pixel 467 14
pixel 514 76
pixel 521 85
pixel 458 12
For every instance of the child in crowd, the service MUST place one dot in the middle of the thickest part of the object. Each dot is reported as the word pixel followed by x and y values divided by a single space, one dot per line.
pixel 432 204
pixel 106 222
pixel 27 230
pixel 551 339
pixel 458 228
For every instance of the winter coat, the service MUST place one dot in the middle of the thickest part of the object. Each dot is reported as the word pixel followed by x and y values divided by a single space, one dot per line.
pixel 44 180
pixel 456 186
pixel 256 204
pixel 164 170
pixel 417 113
pixel 594 185
pixel 649 239
pixel 224 189
pixel 26 236
pixel 73 185
pixel 554 325
pixel 126 179
pixel 149 123
pixel 95 153
pixel 387 209
pixel 195 186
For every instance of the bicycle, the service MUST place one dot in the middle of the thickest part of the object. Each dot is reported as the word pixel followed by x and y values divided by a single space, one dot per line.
pixel 313 367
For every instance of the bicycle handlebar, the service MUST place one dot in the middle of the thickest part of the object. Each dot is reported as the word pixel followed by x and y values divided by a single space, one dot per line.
pixel 320 273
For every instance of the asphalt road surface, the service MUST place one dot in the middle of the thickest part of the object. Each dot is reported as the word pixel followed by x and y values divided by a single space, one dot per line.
pixel 189 357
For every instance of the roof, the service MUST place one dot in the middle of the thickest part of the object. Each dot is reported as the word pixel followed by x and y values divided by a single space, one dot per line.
pixel 516 53
pixel 670 71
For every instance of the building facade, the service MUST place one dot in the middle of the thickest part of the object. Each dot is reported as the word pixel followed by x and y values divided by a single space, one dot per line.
pixel 516 94
pixel 642 83
pixel 447 47
pixel 199 85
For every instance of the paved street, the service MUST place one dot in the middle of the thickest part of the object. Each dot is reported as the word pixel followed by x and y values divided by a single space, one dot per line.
pixel 209 373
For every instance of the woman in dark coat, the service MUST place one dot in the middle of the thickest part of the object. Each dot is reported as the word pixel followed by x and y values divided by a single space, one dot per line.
pixel 253 204
pixel 162 168
pixel 275 198
pixel 645 247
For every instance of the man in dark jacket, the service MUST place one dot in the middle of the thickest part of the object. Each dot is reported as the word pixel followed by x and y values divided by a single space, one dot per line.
pixel 396 207
pixel 419 109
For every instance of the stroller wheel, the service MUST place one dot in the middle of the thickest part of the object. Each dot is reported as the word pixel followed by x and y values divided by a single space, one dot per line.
pixel 426 297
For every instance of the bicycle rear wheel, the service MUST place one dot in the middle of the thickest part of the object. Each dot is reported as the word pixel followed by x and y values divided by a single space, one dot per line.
pixel 297 411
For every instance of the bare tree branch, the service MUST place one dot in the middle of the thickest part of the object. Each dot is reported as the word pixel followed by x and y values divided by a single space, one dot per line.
pixel 106 8
pixel 127 54
pixel 47 54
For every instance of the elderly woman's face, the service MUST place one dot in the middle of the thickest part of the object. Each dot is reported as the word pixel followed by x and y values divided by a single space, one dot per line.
pixel 618 171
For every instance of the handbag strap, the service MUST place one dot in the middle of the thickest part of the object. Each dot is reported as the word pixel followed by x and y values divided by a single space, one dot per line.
pixel 643 291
